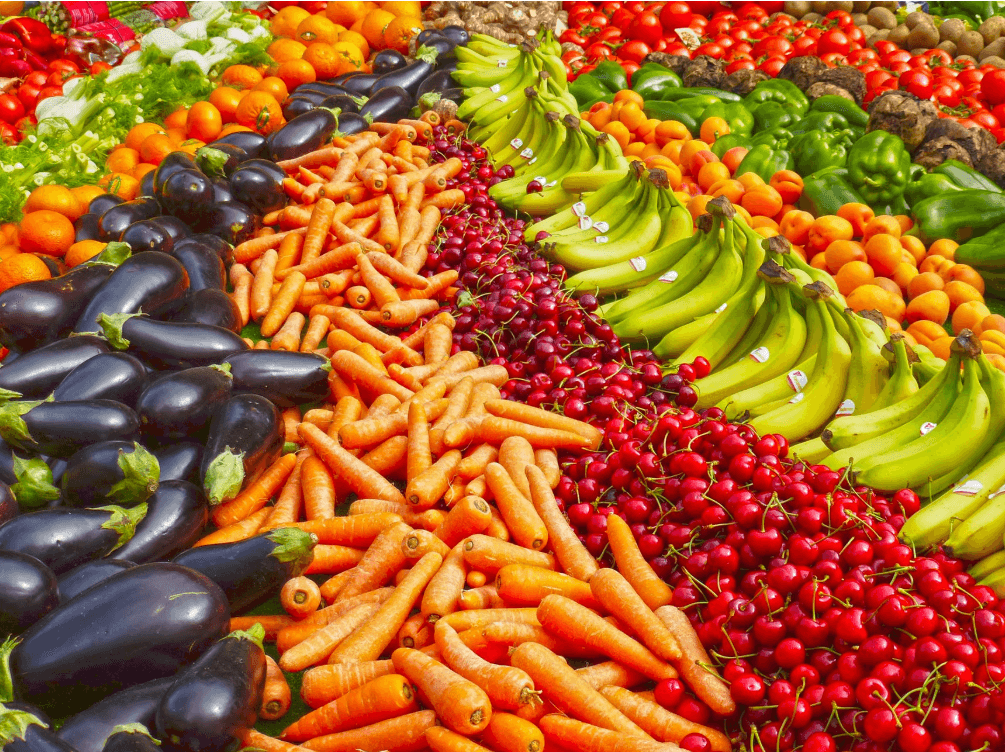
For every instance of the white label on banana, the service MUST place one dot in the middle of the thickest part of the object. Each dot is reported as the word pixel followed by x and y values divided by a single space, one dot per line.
pixel 927 427
pixel 638 263
pixel 600 239
pixel 797 398
pixel 502 98
pixel 541 179
pixel 760 354
pixel 516 143
pixel 847 407
pixel 797 380
pixel 495 88
pixel 579 208
pixel 669 277
pixel 999 492
pixel 552 184
pixel 601 226
pixel 689 37
pixel 585 222
pixel 969 488
pixel 502 63
pixel 532 161
pixel 721 308
pixel 527 153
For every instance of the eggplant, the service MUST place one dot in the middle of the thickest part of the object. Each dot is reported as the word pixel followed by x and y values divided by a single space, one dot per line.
pixel 170 344
pixel 110 375
pixel 57 466
pixel 443 47
pixel 35 374
pixel 100 204
pixel 173 227
pixel 246 435
pixel 148 235
pixel 172 163
pixel 85 227
pixel 87 730
pixel 55 266
pixel 232 221
pixel 304 133
pixel 342 102
pixel 185 192
pixel 358 84
pixel 147 184
pixel 423 37
pixel 455 95
pixel 386 61
pixel 203 265
pixel 268 166
pixel 210 307
pixel 28 591
pixel 222 248
pixel 29 708
pixel 143 623
pixel 350 123
pixel 86 576
pixel 133 738
pixel 116 472
pixel 296 106
pixel 456 34
pixel 220 160
pixel 252 143
pixel 25 732
pixel 154 282
pixel 285 378
pixel 437 82
pixel 114 222
pixel 64 538
pixel 259 188
pixel 179 460
pixel 253 570
pixel 9 508
pixel 221 190
pixel 176 516
pixel 319 87
pixel 37 313
pixel 59 429
pixel 389 105
pixel 408 77
pixel 181 404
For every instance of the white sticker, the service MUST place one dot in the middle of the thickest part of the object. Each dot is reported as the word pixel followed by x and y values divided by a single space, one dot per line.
pixel 999 492
pixel 847 407
pixel 579 208
pixel 552 184
pixel 927 427
pixel 797 398
pixel 638 263
pixel 721 308
pixel 760 354
pixel 600 239
pixel 494 88
pixel 689 37
pixel 502 63
pixel 969 488
pixel 527 153
pixel 516 143
pixel 797 380
pixel 601 226
pixel 541 179
pixel 502 98
pixel 669 277
pixel 585 222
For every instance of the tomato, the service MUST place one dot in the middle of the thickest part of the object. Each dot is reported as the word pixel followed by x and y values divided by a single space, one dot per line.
pixel 711 49
pixel 941 56
pixel 842 17
pixel 622 18
pixel 611 35
pixel 885 47
pixel 11 108
pixel 856 35
pixel 971 76
pixel 724 41
pixel 572 37
pixel 597 20
pixel 898 68
pixel 877 78
pixel 28 121
pixel 752 11
pixel 36 78
pixel 719 26
pixel 629 67
pixel 834 41
pixel 738 65
pixel 49 91
pixel 635 6
pixel 598 51
pixel 999 112
pixel 993 87
pixel 634 50
pixel 676 48
pixel 945 95
pixel 917 83
pixel 98 68
pixel 772 65
pixel 985 119
pixel 967 123
pixel 608 8
pixel 833 59
pixel 771 46
pixel 7 134
pixel 579 13
pixel 646 27
pixel 742 48
pixel 28 94
pixel 804 45
pixel 751 27
pixel 897 56
pixel 58 78
pixel 675 15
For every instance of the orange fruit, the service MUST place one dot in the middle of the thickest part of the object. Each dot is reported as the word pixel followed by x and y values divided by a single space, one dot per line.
pixel 296 72
pixel 234 128
pixel 259 110
pixel 969 315
pixel 873 296
pixel 354 37
pixel 884 252
pixel 347 12
pixel 122 185
pixel 122 159
pixel 55 198
pixel 80 252
pixel 285 22
pixel 400 31
pixel 374 25
pixel 961 292
pixel 154 148
pixel 286 49
pixel 176 119
pixel 330 60
pixel 142 169
pixel 887 284
pixel 87 193
pixel 841 252
pixel 317 28
pixel 924 282
pixel 854 274
pixel 226 99
pixel 240 77
pixel 275 86
pixel 995 321
pixel 965 273
pixel 8 250
pixel 204 121
pixel 931 306
pixel 402 8
pixel 139 132
pixel 45 231
pixel 21 268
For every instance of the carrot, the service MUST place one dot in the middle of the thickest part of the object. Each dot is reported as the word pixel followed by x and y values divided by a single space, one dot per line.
pixel 405 733
pixel 480 487
pixel 491 554
pixel 360 478
pixel 430 519
pixel 610 674
pixel 463 431
pixel 442 739
pixel 276 697
pixel 438 283
pixel 317 328
pixel 323 684
pixel 511 634
pixel 485 596
pixel 462 621
pixel 535 416
pixel 372 638
pixel 347 410
pixel 319 645
pixel 414 256
pixel 347 235
pixel 619 598
pixel 445 587
pixel 291 419
pixel 428 487
pixel 403 377
pixel 418 337
pixel 272 624
pixel 283 303
pixel 660 723
pixel 289 250
pixel 510 733
pixel 437 343
pixel 547 461
pixel 418 543
pixel 237 531
pixel 261 286
pixel 329 559
pixel 351 322
pixel 241 281
pixel 419 457
pixel 694 665
pixel 256 495
pixel 389 233
pixel 461 704
pixel 405 312
pixel 515 454
pixel 415 633
pixel 398 130
pixel 259 247
pixel 382 698
pixel 585 737
pixel 396 272
pixel 328 614
pixel 317 229
pixel 522 519
pixel 319 492
pixel 380 562
pixel 325 155
pixel 249 737
pixel 459 400
pixel 355 530
pixel 569 550
pixel 445 199
pixel 528 585
pixel 476 460
pixel 388 458
pixel 372 430
pixel 288 336
pixel 630 562
pixel 337 259
pixel 300 596
pixel 349 365
pixel 380 288
pixel 495 375
pixel 358 296
pixel 469 516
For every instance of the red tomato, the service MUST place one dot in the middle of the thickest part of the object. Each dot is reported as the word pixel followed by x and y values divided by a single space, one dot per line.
pixel 862 55
pixel 917 82
pixel 898 68
pixel 738 65
pixel 834 41
pixel 752 11
pixel 11 109
pixel 635 6
pixel 622 18
pixel 28 121
pixel 28 94
pixel 885 47
pixel 771 46
pixel 999 112
pixel 970 77
pixel 609 7
pixel 877 78
pixel 944 72
pixel 842 17
pixel 598 51
pixel 804 45
pixel 58 78
pixel 49 91
pixel 629 67
pixel 945 95
pixel 751 27
pixel 579 13
pixel 676 48
pixel 744 48
pixel 941 55
pixel 7 134
pixel 967 122
pixel 718 26
pixel 897 56
pixel 572 37
pixel 634 50
pixel 597 20
pixel 993 87
pixel 711 49
pixel 725 41
pixel 675 15
pixel 985 119
pixel 772 65
pixel 99 67
pixel 611 35
pixel 646 27
pixel 856 35
pixel 833 59
pixel 36 78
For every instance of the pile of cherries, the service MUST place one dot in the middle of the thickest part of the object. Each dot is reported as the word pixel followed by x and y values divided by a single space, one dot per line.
pixel 831 633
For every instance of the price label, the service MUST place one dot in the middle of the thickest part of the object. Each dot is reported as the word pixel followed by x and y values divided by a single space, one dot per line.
pixel 552 184
pixel 579 208
pixel 669 277
pixel 721 308
pixel 541 179
pixel 969 488
pixel 532 161
pixel 760 354
pixel 797 380
pixel 798 397
pixel 495 88
pixel 601 226
pixel 845 408
pixel 516 143
pixel 527 153
pixel 502 63
pixel 688 37
pixel 585 222
pixel 638 263
pixel 600 239
pixel 502 98
pixel 999 492
pixel 927 427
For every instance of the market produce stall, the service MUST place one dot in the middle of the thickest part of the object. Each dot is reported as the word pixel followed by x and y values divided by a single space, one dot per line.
pixel 462 376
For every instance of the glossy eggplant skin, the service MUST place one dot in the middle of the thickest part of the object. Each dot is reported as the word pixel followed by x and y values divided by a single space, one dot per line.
pixel 181 404
pixel 172 163
pixel 111 375
pixel 455 95
pixel 172 226
pixel 77 580
pixel 222 248
pixel 179 460
pixel 185 192
pixel 170 344
pixel 175 518
pixel 37 313
pixel 143 623
pixel 305 133
pixel 386 61
pixel 100 204
pixel 38 739
pixel 85 227
pixel 438 82
pixel 247 424
pixel 114 222
pixel 87 730
pixel 342 102
pixel 221 190
pixel 131 741
pixel 456 34
pixel 359 84
pixel 9 508
pixel 285 378
pixel 28 591
pixel 7 476
pixel 92 472
pixel 407 78
pixel 148 235
pixel 208 164
pixel 252 143
pixel 209 307
pixel 232 221
pixel 259 188
pixel 203 265
pixel 388 105
pixel 327 88
pixel 251 571
pixel 59 429
pixel 350 123
pixel 300 105
pixel 147 184
pixel 154 282
pixel 35 374
pixel 215 698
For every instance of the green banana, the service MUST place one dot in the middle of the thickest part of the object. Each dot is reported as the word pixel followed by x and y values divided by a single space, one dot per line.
pixel 902 382
pixel 869 370
pixel 810 451
pixel 987 565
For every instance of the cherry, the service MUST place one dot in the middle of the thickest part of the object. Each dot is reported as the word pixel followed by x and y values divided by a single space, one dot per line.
pixel 696 743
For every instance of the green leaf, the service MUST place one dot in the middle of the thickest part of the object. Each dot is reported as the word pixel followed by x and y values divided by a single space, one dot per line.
pixel 14 725
pixel 426 54
pixel 134 728
pixel 289 447
pixel 142 476
pixel 368 117
pixel 8 394
pixel 113 254
pixel 34 486
pixel 223 368
pixel 465 299
pixel 211 161
pixel 6 680
pixel 255 633
pixel 111 327
pixel 13 429
pixel 293 545
pixel 123 521
pixel 224 476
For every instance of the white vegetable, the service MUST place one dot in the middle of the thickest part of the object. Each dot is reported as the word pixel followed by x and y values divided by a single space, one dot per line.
pixel 165 41
pixel 238 35
pixel 132 57
pixel 260 31
pixel 193 30
pixel 191 56
pixel 71 87
pixel 220 44
pixel 209 10
pixel 121 71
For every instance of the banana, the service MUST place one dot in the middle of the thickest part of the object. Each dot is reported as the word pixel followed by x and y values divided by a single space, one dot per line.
pixel 987 565
pixel 869 370
pixel 616 217
pixel 528 142
pixel 590 180
pixel 995 581
pixel 902 383
pixel 509 191
pixel 522 75
pixel 927 365
pixel 507 129
pixel 810 451
pixel 981 533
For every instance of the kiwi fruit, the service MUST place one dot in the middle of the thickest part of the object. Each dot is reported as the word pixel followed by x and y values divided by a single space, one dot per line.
pixel 899 35
pixel 879 36
pixel 952 29
pixel 859 19
pixel 812 17
pixel 992 29
pixel 970 43
pixel 924 36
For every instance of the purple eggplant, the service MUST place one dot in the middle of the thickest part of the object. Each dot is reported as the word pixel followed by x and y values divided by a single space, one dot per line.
pixel 221 190
pixel 304 133
pixel 63 538
pixel 211 308
pixel 22 731
pixel 246 435
pixel 410 76
pixel 58 429
pixel 285 378
pixel 114 222
pixel 110 472
pixel 325 88
pixel 296 106
pixel 148 235
pixel 169 344
pixel 217 697
pixel 181 404
pixel 252 143
pixel 8 476
pixel 173 227
pixel 111 375
pixel 147 184
pixel 172 163
pixel 100 204
pixel 204 266
pixel 179 460
pixel 349 123
pixel 253 570
pixel 358 84
pixel 176 517
pixel 344 103
pixel 185 192
pixel 29 708
pixel 8 504
pixel 232 221
pixel 220 160
pixel 85 227
pixel 438 82
pixel 87 730
pixel 28 591
pixel 388 105
pixel 386 61
pixel 260 189
pixel 268 166
pixel 132 738
pixel 143 623
pixel 86 576
pixel 153 282
pixel 35 374
pixel 222 248
pixel 456 34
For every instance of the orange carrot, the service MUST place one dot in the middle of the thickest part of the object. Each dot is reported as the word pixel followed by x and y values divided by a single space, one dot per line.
pixel 511 634
pixel 388 458
pixel 660 723
pixel 380 288
pixel 510 733
pixel 419 456
pixel 328 614
pixel 496 375
pixel 317 328
pixel 430 519
pixel 319 491
pixel 372 638
pixel 289 250
pixel 403 377
pixel 435 288
pixel 469 516
pixel 528 585
pixel 428 487
pixel 462 621
pixel 288 336
pixel 358 530
pixel 418 543
pixel 358 296
pixel 568 691
pixel 325 155
pixel 351 322
pixel 414 256
pixel 338 259
pixel 291 419
pixel 515 454
pixel 361 479
pixel 347 235
pixel 237 531
pixel 257 740
pixel 610 674
pixel 694 665
pixel 522 519
pixel 547 461
pixel 380 562
pixel 272 624
pixel 323 684
pixel 319 645
pixel 349 365
pixel 459 400
pixel 405 312
pixel 255 248
pixel 396 272
pixel 405 733
pixel 389 234
pixel 300 596
pixel 437 343
pixel 619 598
pixel 317 230
pixel 585 737
pixel 283 303
pixel 485 596
pixel 261 286
pixel 372 430
pixel 276 697
pixel 463 431
pixel 445 587
pixel 476 460
pixel 461 704
pixel 535 416
pixel 630 562
pixel 241 280
pixel 256 495
pixel 442 739
pixel 415 633
pixel 491 554
pixel 331 559
pixel 569 550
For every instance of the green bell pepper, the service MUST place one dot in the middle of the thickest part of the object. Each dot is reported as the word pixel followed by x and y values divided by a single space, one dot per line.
pixel 684 93
pixel 773 115
pixel 966 177
pixel 611 76
pixel 986 253
pixel 672 111
pixel 765 161
pixel 653 80
pixel 781 91
pixel 588 91
pixel 826 191
pixel 828 122
pixel 817 150
pixel 735 114
pixel 928 185
pixel 878 167
pixel 961 215
pixel 779 138
pixel 724 143
pixel 851 112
